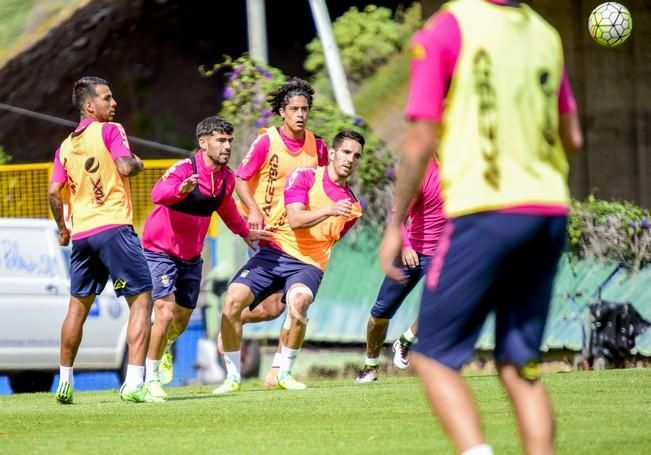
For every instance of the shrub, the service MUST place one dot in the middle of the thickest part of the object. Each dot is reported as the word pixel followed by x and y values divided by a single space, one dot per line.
pixel 366 40
pixel 612 231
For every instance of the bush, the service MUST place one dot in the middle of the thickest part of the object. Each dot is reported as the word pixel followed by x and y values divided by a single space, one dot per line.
pixel 366 40
pixel 611 231
pixel 248 84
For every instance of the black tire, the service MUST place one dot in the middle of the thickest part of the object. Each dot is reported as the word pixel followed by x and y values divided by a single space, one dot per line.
pixel 251 358
pixel 31 381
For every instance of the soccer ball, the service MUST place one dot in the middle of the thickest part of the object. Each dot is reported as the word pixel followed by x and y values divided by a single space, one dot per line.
pixel 610 24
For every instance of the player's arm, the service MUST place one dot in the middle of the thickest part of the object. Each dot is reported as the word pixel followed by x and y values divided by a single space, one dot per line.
pixel 115 139
pixel 255 218
pixel 300 216
pixel 175 184
pixel 251 165
pixel 569 126
pixel 129 166
pixel 55 198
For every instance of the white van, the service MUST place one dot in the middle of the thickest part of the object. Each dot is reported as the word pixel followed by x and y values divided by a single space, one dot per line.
pixel 34 294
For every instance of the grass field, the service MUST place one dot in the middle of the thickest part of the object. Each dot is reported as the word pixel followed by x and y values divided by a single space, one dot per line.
pixel 597 413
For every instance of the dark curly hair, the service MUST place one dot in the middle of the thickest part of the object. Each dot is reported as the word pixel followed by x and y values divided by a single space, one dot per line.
pixel 214 124
pixel 279 98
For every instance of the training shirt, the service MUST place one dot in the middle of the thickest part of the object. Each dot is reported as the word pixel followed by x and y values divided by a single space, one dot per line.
pixel 181 234
pixel 425 218
pixel 437 81
pixel 272 156
pixel 313 187
pixel 100 197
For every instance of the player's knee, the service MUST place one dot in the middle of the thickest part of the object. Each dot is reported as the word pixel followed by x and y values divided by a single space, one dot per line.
pixel 299 299
pixel 232 306
pixel 164 316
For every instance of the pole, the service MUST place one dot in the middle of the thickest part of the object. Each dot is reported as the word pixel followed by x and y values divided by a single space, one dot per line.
pixel 257 30
pixel 332 57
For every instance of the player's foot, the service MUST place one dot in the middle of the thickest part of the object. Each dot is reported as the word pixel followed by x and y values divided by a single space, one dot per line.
pixel 287 382
pixel 401 349
pixel 370 373
pixel 166 368
pixel 230 385
pixel 156 389
pixel 271 380
pixel 64 393
pixel 140 394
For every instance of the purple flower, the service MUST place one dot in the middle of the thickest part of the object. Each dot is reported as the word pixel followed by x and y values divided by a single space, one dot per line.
pixel 645 224
pixel 260 123
pixel 633 224
pixel 390 172
pixel 359 121
pixel 266 114
pixel 363 203
pixel 267 74
pixel 228 93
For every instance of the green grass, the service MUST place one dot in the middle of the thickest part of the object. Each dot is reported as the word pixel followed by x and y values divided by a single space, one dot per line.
pixel 13 14
pixel 597 413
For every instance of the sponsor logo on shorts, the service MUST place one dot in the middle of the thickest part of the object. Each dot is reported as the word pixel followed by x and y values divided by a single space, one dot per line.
pixel 119 284
pixel 244 274
pixel 165 280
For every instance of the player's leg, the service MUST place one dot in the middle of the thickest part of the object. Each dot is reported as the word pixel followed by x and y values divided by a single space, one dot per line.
pixel 301 285
pixel 520 323
pixel 238 297
pixel 402 345
pixel 121 252
pixel 87 278
pixel 453 309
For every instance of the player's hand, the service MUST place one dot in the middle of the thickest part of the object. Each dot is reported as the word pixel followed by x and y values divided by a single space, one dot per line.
pixel 410 257
pixel 256 235
pixel 256 219
pixel 188 185
pixel 389 251
pixel 64 236
pixel 343 207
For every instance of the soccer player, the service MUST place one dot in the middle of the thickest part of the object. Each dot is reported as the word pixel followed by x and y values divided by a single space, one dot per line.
pixel 420 236
pixel 95 164
pixel 260 179
pixel 488 92
pixel 186 196
pixel 320 208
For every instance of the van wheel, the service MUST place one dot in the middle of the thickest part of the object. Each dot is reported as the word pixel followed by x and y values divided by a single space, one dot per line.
pixel 31 381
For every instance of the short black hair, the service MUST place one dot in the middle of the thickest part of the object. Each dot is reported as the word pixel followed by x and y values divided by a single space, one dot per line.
pixel 347 134
pixel 85 88
pixel 214 124
pixel 279 98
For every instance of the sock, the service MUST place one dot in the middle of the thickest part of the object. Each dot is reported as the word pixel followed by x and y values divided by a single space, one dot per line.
pixel 372 361
pixel 409 335
pixel 287 359
pixel 65 375
pixel 134 377
pixel 276 361
pixel 481 449
pixel 151 369
pixel 232 361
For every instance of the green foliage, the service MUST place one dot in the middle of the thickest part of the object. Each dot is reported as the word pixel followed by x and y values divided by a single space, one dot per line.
pixel 244 104
pixel 13 15
pixel 5 158
pixel 366 39
pixel 609 230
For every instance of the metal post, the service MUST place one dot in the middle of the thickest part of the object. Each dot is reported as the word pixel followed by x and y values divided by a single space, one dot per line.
pixel 257 30
pixel 332 57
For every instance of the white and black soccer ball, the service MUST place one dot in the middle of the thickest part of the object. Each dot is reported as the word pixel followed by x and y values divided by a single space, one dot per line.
pixel 610 24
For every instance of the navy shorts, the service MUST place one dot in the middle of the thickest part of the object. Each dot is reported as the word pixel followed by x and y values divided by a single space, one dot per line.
pixel 172 275
pixel 393 293
pixel 486 262
pixel 270 271
pixel 115 252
